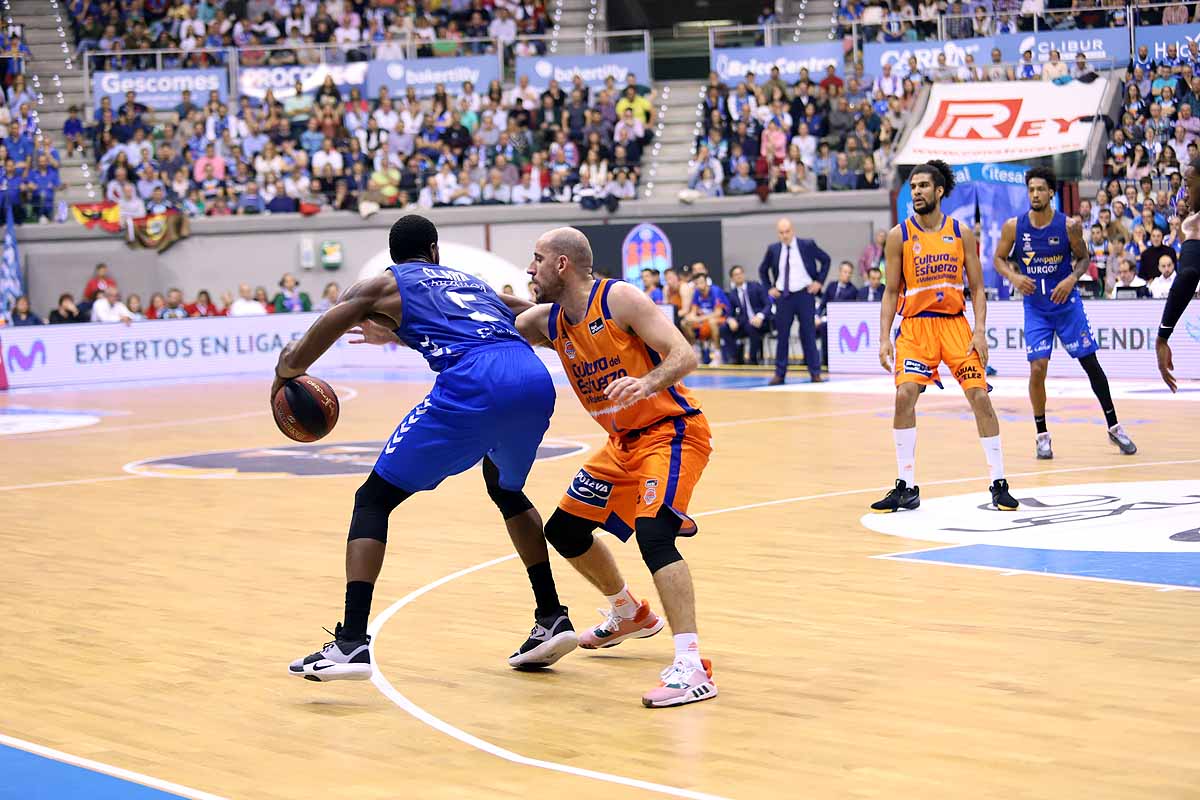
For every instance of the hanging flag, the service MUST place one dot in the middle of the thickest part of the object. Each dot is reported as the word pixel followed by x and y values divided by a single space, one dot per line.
pixel 158 231
pixel 106 216
pixel 11 285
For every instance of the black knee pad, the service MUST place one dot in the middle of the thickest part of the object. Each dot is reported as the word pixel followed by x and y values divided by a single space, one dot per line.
pixel 656 539
pixel 510 503
pixel 570 535
pixel 374 502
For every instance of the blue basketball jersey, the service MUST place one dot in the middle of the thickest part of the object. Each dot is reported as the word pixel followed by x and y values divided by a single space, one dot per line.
pixel 1044 255
pixel 447 314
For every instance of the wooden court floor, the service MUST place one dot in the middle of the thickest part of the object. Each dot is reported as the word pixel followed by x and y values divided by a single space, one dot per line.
pixel 151 619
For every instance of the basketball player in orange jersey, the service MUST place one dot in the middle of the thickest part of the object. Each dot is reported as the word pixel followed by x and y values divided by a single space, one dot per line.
pixel 625 361
pixel 928 255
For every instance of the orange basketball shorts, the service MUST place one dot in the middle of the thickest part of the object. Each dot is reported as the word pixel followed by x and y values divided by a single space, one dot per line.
pixel 633 478
pixel 926 342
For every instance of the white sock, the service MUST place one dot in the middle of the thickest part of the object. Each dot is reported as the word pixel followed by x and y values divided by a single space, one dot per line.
pixel 687 649
pixel 994 456
pixel 623 603
pixel 906 455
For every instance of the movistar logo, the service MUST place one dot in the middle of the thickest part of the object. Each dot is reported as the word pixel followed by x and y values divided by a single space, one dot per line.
pixel 25 361
pixel 853 341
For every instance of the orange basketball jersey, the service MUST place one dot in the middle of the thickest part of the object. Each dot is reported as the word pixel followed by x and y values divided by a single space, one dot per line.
pixel 935 267
pixel 595 352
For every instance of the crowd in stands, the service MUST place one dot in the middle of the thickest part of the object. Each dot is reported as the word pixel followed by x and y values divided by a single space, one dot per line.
pixel 338 150
pixel 914 20
pixel 103 302
pixel 283 32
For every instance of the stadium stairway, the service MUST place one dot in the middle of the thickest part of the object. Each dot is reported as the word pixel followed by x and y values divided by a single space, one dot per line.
pixel 57 78
pixel 666 165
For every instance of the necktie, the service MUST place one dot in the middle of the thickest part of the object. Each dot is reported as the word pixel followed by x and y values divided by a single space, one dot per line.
pixel 742 299
pixel 787 261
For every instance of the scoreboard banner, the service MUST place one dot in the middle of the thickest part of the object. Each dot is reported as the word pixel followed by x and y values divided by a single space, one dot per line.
pixel 1125 330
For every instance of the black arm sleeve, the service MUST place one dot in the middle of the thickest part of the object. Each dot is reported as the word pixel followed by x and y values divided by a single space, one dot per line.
pixel 1181 294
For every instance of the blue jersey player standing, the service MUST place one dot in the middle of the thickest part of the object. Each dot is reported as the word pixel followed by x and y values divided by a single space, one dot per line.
pixel 1050 256
pixel 491 401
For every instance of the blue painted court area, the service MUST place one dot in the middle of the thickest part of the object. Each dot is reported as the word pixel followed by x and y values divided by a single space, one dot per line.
pixel 26 776
pixel 1159 569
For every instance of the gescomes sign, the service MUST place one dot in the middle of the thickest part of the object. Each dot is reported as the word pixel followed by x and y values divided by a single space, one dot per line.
pixel 161 90
pixel 1004 121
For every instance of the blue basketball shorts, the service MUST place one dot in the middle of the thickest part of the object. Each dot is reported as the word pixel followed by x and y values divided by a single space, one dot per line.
pixel 497 401
pixel 1067 321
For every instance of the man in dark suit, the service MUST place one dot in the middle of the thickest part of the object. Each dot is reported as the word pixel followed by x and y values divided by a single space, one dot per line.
pixel 750 312
pixel 873 291
pixel 794 270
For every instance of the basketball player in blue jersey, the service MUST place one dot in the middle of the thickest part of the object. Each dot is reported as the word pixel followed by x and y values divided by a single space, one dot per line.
pixel 1052 257
pixel 492 400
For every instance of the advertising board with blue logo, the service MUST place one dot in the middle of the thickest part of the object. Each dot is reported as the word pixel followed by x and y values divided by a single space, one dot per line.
pixel 732 63
pixel 593 69
pixel 1098 44
pixel 1157 37
pixel 160 89
pixel 897 54
pixel 424 74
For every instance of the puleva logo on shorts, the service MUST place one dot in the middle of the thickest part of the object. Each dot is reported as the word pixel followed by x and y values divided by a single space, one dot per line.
pixel 590 490
pixel 1140 532
pixel 917 368
pixel 301 460
pixel 651 492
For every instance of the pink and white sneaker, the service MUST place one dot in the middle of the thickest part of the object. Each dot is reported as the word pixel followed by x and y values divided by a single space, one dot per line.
pixel 614 629
pixel 682 683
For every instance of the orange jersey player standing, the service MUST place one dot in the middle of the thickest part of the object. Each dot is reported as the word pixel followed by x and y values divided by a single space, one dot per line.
pixel 625 361
pixel 930 259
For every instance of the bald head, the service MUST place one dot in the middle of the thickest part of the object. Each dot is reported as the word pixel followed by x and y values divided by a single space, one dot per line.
pixel 784 229
pixel 562 259
pixel 569 242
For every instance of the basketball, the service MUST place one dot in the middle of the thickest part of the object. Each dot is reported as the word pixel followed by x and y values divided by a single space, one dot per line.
pixel 305 409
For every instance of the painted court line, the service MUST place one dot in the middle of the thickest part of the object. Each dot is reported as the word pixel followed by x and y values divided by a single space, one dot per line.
pixel 441 725
pixel 20 486
pixel 106 769
pixel 390 691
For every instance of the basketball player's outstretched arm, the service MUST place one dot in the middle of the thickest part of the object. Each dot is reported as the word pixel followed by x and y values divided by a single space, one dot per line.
pixel 1083 259
pixel 375 299
pixel 893 254
pixel 633 311
pixel 978 295
pixel 1008 237
pixel 534 324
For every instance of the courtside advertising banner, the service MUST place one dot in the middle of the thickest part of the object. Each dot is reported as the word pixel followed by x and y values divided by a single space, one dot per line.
pixel 1125 330
pixel 424 74
pixel 593 69
pixel 897 54
pixel 1157 37
pixel 732 63
pixel 52 355
pixel 1003 121
pixel 281 81
pixel 161 90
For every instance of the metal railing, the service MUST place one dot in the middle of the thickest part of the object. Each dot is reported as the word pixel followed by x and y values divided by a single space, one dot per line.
pixel 595 43
pixel 763 35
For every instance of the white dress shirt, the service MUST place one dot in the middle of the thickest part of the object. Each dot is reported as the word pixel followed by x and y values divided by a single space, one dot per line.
pixel 798 275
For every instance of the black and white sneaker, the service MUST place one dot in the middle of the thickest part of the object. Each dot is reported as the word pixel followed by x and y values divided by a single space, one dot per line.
pixel 902 496
pixel 1118 436
pixel 340 660
pixel 551 638
pixel 1001 499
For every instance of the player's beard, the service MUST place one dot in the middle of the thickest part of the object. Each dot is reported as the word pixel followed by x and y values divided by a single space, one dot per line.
pixel 922 206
